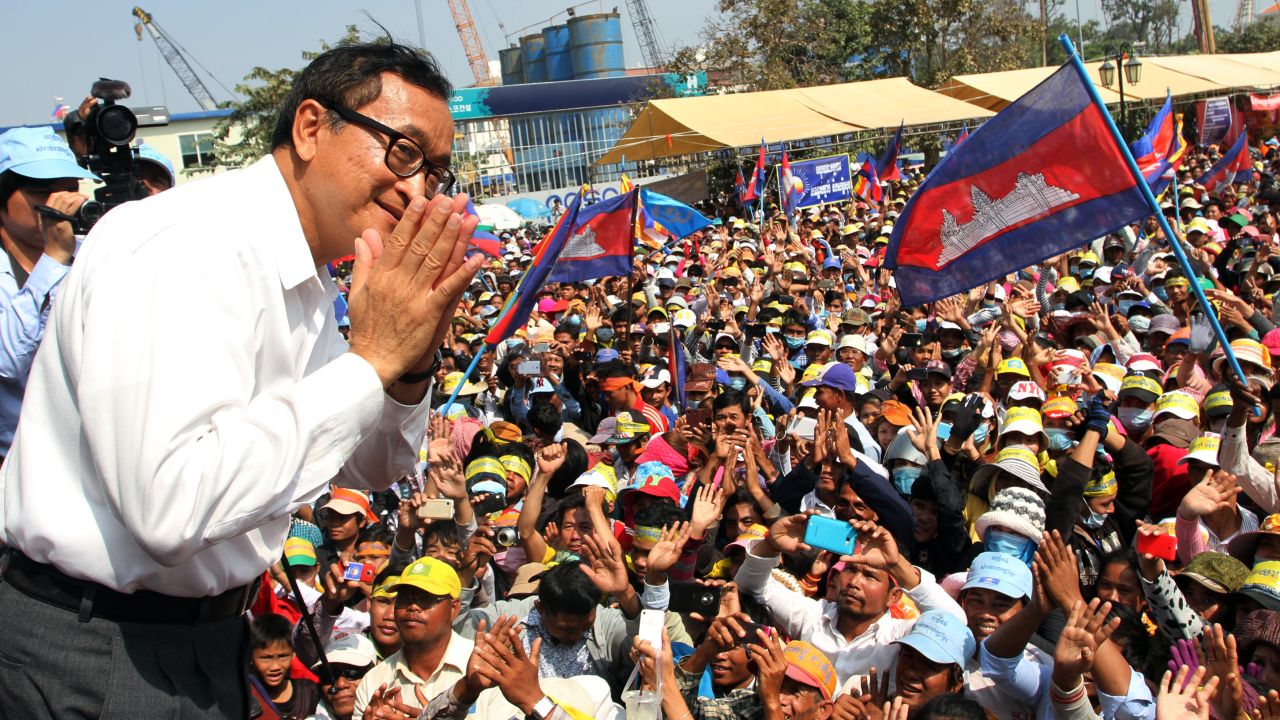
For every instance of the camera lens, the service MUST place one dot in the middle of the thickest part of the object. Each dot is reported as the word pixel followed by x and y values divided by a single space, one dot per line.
pixel 117 124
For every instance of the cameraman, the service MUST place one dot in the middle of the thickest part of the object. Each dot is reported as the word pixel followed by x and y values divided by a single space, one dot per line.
pixel 36 168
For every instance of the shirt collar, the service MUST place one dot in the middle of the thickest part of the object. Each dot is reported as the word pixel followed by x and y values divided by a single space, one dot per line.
pixel 280 223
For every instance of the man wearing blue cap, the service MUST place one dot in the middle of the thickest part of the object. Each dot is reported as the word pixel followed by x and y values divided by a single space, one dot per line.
pixel 930 662
pixel 837 386
pixel 36 168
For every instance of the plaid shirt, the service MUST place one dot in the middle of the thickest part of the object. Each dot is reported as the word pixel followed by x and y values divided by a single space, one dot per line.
pixel 742 703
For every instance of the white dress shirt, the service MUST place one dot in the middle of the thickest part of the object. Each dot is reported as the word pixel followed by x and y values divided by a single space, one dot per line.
pixel 814 621
pixel 191 392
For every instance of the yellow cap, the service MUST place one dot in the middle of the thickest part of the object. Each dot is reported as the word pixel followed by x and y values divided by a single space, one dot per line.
pixel 430 576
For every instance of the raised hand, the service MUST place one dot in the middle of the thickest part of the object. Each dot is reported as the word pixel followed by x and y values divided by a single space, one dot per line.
pixel 666 552
pixel 603 563
pixel 787 533
pixel 708 504
pixel 551 457
pixel 1216 491
pixel 771 665
pixel 876 546
pixel 1087 628
pixel 449 478
pixel 337 590
pixel 1217 654
pixel 924 432
pixel 1183 697
pixel 1057 571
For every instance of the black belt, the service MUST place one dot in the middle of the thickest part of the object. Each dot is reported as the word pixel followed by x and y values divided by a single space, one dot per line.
pixel 49 584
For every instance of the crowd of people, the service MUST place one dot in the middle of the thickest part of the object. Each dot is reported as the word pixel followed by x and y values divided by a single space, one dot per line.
pixel 746 481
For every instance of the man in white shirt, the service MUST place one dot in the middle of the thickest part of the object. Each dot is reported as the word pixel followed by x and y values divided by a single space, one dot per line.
pixel 193 390
pixel 856 631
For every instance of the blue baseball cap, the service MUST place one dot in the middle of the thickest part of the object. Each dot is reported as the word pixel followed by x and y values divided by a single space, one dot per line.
pixel 149 153
pixel 606 354
pixel 941 637
pixel 39 154
pixel 1001 572
pixel 837 375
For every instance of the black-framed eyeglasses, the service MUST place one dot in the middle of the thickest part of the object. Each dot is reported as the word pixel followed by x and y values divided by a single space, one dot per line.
pixel 404 157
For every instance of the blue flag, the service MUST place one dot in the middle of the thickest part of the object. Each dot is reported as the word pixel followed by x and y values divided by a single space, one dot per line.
pixel 674 216
pixel 1043 176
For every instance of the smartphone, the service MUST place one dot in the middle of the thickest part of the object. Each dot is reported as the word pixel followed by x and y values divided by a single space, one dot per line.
pixel 542 347
pixel 530 368
pixel 436 509
pixel 651 624
pixel 911 340
pixel 825 533
pixel 692 597
pixel 368 573
pixel 786 299
pixel 353 571
pixel 715 324
pixel 1162 546
pixel 754 330
pixel 752 638
pixel 697 417
pixel 803 427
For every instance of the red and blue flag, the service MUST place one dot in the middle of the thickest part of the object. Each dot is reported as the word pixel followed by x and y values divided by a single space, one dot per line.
pixel 887 167
pixel 483 240
pixel 740 185
pixel 677 367
pixel 1234 166
pixel 601 241
pixel 1160 149
pixel 523 299
pixel 964 135
pixel 755 187
pixel 1043 176
pixel 866 185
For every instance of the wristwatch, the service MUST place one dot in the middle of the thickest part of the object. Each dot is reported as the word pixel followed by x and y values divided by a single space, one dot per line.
pixel 541 709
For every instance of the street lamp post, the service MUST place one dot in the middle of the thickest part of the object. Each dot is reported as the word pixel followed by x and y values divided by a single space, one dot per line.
pixel 1130 70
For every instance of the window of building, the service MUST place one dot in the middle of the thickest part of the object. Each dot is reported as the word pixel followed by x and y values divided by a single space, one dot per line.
pixel 197 150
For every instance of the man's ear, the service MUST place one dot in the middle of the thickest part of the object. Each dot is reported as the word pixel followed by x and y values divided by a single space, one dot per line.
pixel 308 122
pixel 824 710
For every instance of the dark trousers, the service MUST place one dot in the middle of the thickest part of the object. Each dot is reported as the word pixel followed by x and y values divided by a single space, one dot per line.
pixel 54 665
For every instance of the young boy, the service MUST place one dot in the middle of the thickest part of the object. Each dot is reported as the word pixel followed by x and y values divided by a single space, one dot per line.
pixel 269 666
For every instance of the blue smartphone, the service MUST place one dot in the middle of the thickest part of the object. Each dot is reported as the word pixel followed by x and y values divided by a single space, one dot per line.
pixel 825 533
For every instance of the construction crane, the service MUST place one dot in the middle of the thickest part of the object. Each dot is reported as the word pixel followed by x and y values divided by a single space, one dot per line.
pixel 471 42
pixel 169 49
pixel 642 21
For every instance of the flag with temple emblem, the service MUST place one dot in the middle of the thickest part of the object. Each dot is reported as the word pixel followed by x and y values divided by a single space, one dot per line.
pixel 887 167
pixel 600 242
pixel 515 313
pixel 1234 166
pixel 1043 176
pixel 740 185
pixel 866 185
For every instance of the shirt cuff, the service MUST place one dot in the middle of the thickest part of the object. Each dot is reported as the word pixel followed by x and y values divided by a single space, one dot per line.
pixel 45 275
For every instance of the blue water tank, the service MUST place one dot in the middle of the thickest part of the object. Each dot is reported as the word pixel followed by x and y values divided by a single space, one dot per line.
pixel 533 53
pixel 556 53
pixel 596 43
pixel 512 65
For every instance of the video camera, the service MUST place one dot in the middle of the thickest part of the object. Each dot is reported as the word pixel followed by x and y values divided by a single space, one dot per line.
pixel 105 138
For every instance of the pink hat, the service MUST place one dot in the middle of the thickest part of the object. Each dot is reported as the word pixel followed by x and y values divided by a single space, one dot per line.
pixel 1272 341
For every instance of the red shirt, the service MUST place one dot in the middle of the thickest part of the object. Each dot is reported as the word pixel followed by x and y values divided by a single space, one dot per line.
pixel 657 423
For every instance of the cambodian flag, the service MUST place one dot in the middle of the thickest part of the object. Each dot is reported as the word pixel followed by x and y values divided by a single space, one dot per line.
pixel 740 185
pixel 866 185
pixel 1234 166
pixel 483 240
pixel 1043 176
pixel 755 188
pixel 887 167
pixel 964 134
pixel 1159 151
pixel 601 242
pixel 676 366
pixel 523 299
pixel 790 194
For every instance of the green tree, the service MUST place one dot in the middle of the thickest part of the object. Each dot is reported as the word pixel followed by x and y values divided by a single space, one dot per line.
pixel 245 135
pixel 1254 37
pixel 1153 22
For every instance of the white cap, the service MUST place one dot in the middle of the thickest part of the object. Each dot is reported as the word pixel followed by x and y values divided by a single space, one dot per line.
pixel 355 650
pixel 678 300
pixel 807 400
pixel 656 377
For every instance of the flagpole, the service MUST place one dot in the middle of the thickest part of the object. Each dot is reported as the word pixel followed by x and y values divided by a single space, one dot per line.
pixel 635 244
pixel 1153 204
pixel 444 410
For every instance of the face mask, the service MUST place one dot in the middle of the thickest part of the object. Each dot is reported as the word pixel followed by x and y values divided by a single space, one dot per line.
pixel 1010 544
pixel 921 325
pixel 1085 273
pixel 604 334
pixel 1059 307
pixel 514 343
pixel 793 343
pixel 1093 520
pixel 980 435
pixel 1161 293
pixel 952 354
pixel 904 477
pixel 770 330
pixel 737 383
pixel 1135 418
pixel 1059 439
pixel 1140 324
